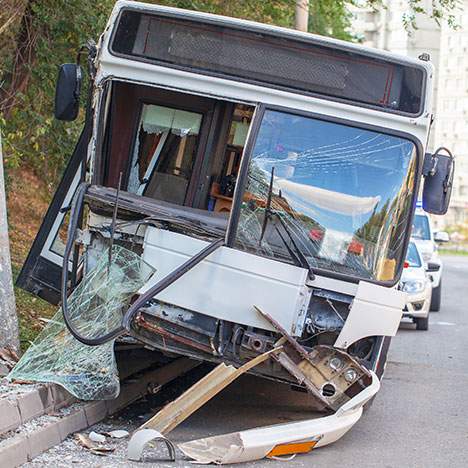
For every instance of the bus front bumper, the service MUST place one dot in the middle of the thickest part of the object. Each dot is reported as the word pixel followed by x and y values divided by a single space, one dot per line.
pixel 281 439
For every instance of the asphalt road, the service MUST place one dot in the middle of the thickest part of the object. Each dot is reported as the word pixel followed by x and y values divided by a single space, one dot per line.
pixel 418 419
pixel 420 416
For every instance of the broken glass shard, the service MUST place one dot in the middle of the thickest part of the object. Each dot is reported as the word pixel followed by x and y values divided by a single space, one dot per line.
pixel 96 307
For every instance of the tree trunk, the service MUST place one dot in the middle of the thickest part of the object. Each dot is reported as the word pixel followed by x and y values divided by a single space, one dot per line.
pixel 302 15
pixel 8 319
pixel 18 78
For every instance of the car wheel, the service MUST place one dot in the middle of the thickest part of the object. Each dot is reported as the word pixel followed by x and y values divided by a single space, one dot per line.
pixel 436 298
pixel 422 323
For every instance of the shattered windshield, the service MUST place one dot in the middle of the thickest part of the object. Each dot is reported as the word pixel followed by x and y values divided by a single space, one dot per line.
pixel 339 194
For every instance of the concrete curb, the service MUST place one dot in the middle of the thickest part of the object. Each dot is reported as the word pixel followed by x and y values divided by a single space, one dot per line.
pixel 27 406
pixel 23 447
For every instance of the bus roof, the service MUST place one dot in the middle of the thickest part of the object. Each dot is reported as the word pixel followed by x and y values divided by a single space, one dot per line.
pixel 287 86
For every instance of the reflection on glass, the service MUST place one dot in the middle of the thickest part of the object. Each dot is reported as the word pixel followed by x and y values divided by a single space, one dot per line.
pixel 421 228
pixel 340 194
pixel 412 257
pixel 60 240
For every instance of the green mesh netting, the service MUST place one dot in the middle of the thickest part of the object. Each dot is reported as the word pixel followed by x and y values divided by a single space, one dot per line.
pixel 96 307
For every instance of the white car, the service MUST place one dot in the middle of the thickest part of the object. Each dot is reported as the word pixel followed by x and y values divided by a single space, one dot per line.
pixel 418 286
pixel 425 239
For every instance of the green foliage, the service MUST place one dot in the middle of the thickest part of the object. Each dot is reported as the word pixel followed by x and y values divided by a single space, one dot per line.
pixel 33 137
pixel 278 12
pixel 31 310
pixel 331 18
pixel 439 10
pixel 458 250
pixel 31 134
pixel 59 27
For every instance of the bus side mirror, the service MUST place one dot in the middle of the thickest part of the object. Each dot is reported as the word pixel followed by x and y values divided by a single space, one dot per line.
pixel 67 92
pixel 438 172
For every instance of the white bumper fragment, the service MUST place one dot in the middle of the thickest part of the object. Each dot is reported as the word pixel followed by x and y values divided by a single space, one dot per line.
pixel 254 444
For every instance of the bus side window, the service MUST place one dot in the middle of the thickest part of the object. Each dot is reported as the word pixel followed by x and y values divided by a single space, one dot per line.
pixel 164 153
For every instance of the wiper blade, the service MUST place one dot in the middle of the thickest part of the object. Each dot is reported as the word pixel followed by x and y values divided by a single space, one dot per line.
pixel 267 206
pixel 303 261
pixel 295 254
pixel 291 252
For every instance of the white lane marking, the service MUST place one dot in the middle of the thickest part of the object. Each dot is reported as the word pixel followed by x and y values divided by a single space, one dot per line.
pixel 450 324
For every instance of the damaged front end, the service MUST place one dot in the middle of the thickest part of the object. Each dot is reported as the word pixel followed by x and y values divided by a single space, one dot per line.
pixel 201 295
pixel 208 331
pixel 320 350
pixel 267 218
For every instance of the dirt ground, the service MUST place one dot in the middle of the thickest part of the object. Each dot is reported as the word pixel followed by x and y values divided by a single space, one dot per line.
pixel 28 198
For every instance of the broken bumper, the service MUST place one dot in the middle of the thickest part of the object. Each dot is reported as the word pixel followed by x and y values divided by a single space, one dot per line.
pixel 281 439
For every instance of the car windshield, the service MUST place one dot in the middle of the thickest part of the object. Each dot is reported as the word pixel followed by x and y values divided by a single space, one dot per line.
pixel 421 228
pixel 412 257
pixel 339 194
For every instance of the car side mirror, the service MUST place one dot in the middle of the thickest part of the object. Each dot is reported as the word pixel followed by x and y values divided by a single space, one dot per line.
pixel 67 92
pixel 441 236
pixel 438 171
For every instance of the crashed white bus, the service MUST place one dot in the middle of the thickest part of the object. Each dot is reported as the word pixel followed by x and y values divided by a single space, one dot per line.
pixel 269 176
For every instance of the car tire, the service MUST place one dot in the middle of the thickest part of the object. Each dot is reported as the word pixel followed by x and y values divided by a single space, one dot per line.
pixel 436 298
pixel 422 323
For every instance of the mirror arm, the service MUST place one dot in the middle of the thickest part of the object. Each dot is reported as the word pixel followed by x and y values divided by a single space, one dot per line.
pixel 91 49
pixel 430 163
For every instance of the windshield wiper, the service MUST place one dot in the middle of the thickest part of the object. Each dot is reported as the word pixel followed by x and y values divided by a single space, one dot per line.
pixel 295 254
pixel 267 206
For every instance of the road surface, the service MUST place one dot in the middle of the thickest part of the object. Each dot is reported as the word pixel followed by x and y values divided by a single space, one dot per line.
pixel 419 418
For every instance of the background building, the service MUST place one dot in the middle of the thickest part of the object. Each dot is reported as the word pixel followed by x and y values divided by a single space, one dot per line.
pixel 448 48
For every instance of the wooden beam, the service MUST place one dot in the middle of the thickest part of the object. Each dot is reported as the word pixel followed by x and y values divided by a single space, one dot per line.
pixel 201 392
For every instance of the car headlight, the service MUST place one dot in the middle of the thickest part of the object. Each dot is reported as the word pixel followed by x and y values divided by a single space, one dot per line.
pixel 427 256
pixel 413 286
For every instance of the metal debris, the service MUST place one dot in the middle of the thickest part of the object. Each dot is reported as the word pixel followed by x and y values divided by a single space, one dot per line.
pixel 198 394
pixel 141 438
pixel 327 373
pixel 8 357
pixel 280 439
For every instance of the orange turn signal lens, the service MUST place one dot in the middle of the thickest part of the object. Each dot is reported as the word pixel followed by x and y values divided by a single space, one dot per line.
pixel 292 448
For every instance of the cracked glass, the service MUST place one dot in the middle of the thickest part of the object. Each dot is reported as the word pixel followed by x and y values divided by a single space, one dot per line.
pixel 335 195
pixel 96 307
